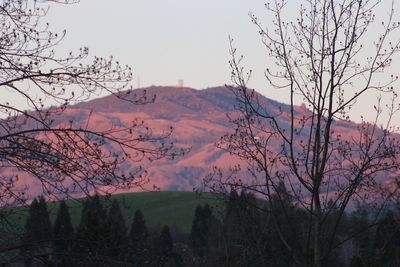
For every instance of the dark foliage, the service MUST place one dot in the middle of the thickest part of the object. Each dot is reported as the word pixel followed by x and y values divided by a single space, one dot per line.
pixel 242 236
pixel 63 234
pixel 117 235
pixel 164 250
pixel 199 236
pixel 38 222
pixel 91 241
pixel 138 239
pixel 38 236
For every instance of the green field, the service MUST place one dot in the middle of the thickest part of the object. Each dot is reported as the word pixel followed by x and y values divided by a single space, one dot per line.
pixel 159 208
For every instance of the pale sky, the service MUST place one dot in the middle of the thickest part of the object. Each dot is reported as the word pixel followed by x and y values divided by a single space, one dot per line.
pixel 165 40
pixel 168 40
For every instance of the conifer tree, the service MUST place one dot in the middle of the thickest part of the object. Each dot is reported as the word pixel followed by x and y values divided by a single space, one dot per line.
pixel 63 234
pixel 165 246
pixel 196 234
pixel 37 232
pixel 138 238
pixel 387 240
pixel 92 232
pixel 31 222
pixel 38 222
pixel 201 226
pixel 63 230
pixel 244 241
pixel 117 230
pixel 232 227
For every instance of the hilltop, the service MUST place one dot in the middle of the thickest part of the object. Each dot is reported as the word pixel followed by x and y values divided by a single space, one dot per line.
pixel 199 119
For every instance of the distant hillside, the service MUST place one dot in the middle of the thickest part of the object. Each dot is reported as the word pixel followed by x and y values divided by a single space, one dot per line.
pixel 199 119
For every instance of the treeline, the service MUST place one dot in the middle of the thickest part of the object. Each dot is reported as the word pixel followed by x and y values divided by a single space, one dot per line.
pixel 247 235
pixel 101 239
pixel 242 234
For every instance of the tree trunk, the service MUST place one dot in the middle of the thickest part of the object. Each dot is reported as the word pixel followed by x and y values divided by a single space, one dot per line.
pixel 317 231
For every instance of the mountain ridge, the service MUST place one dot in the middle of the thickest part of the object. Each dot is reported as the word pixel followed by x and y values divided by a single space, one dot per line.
pixel 199 119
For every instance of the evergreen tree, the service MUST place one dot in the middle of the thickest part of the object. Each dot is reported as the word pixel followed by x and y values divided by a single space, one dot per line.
pixel 248 239
pixel 387 240
pixel 37 232
pixel 232 230
pixel 91 238
pixel 63 230
pixel 166 244
pixel 237 221
pixel 200 233
pixel 232 209
pixel 38 222
pixel 31 222
pixel 138 238
pixel 164 249
pixel 362 232
pixel 117 230
pixel 63 233
pixel 282 214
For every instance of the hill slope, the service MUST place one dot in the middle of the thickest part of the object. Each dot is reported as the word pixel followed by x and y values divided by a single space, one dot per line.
pixel 199 119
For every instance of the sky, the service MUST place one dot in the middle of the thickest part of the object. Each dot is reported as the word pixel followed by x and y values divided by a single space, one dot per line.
pixel 164 40
pixel 169 40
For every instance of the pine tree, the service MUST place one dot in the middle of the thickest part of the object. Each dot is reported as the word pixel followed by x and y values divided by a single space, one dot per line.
pixel 38 222
pixel 232 229
pixel 31 222
pixel 196 234
pixel 164 246
pixel 63 230
pixel 138 238
pixel 387 240
pixel 63 233
pixel 200 233
pixel 362 232
pixel 92 232
pixel 117 231
pixel 37 231
pixel 244 233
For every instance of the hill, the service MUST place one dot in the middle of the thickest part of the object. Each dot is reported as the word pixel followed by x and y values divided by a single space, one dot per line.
pixel 199 119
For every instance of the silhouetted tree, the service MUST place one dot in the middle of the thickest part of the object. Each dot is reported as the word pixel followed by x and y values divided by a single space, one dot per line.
pixel 232 229
pixel 165 245
pixel 137 239
pixel 245 232
pixel 38 234
pixel 63 232
pixel 38 222
pixel 201 226
pixel 164 249
pixel 317 58
pixel 281 212
pixel 387 240
pixel 91 241
pixel 63 156
pixel 117 240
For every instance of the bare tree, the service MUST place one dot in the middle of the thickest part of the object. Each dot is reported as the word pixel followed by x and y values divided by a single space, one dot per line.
pixel 65 157
pixel 324 58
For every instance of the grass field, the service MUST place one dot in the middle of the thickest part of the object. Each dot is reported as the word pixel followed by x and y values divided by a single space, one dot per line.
pixel 159 208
